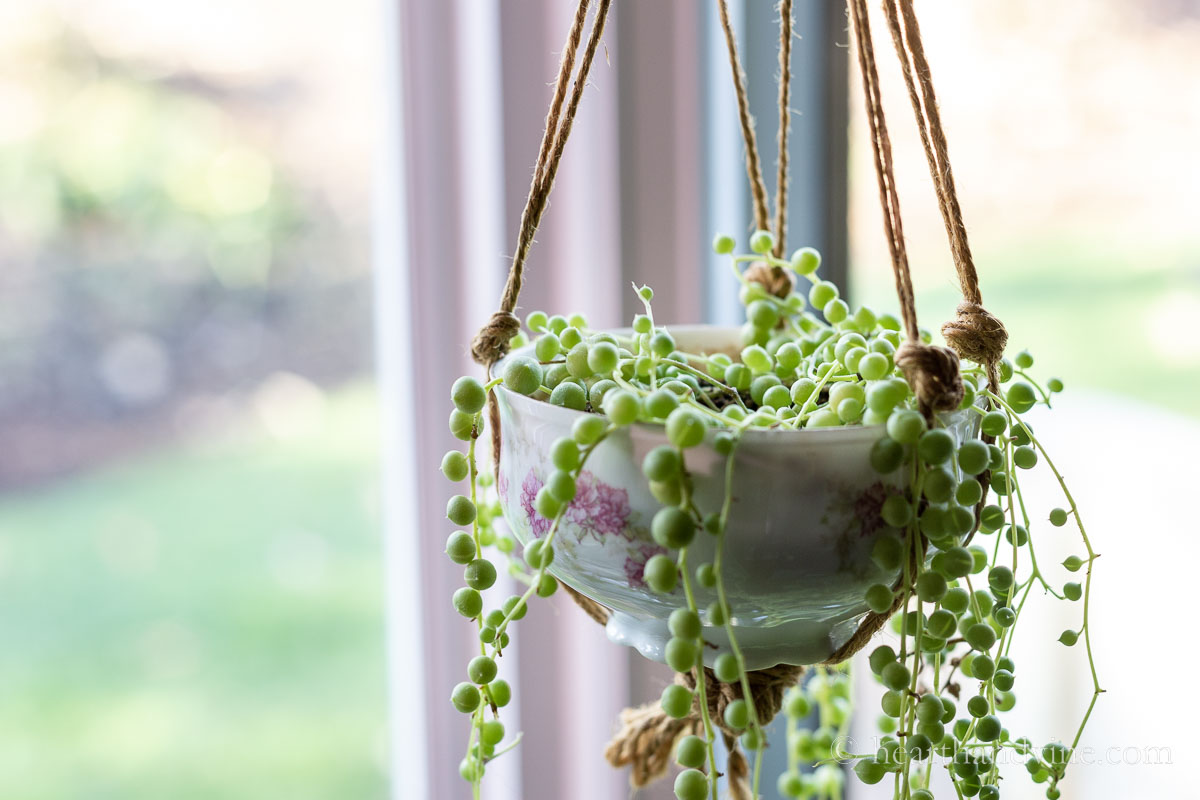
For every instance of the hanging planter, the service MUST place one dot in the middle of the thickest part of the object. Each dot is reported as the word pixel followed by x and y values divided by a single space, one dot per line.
pixel 807 509
pixel 743 504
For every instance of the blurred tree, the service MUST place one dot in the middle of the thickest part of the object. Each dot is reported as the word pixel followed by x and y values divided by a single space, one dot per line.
pixel 155 248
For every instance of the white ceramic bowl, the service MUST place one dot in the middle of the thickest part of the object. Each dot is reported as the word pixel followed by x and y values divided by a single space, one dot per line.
pixel 804 518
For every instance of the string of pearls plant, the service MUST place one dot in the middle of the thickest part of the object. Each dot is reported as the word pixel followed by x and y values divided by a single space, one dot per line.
pixel 966 576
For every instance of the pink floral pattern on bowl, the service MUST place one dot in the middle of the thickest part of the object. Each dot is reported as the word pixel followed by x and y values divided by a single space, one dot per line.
pixel 598 509
pixel 599 512
pixel 538 524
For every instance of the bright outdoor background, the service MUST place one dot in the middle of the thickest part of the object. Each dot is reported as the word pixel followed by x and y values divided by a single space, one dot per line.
pixel 189 550
pixel 1073 132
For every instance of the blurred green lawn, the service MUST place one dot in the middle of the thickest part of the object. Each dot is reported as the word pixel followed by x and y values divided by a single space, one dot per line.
pixel 203 623
pixel 1098 318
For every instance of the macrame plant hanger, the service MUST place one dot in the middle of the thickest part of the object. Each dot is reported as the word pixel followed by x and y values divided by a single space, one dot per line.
pixel 647 735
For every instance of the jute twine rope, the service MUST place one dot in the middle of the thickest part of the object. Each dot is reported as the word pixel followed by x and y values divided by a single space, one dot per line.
pixel 647 738
pixel 758 186
pixel 974 333
pixel 781 162
pixel 775 280
pixel 491 343
pixel 932 371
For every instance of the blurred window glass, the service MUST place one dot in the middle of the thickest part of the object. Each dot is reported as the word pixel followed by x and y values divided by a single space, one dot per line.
pixel 189 553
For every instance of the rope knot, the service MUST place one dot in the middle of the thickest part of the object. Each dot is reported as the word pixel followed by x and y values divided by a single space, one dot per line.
pixel 932 372
pixel 491 343
pixel 976 334
pixel 767 688
pixel 647 736
pixel 775 280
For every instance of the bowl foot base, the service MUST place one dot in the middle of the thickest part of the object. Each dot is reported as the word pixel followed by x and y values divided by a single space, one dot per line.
pixel 798 642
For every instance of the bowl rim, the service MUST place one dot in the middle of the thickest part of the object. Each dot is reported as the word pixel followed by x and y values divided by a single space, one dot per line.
pixel 758 435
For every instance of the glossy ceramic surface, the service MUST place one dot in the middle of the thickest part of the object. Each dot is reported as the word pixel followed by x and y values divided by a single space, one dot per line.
pixel 804 517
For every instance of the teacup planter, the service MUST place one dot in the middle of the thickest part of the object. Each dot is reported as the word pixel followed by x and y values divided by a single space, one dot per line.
pixel 738 501
pixel 804 518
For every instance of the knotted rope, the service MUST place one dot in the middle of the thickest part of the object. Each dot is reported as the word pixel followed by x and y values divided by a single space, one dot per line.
pixel 774 279
pixel 491 343
pixel 932 371
pixel 974 333
pixel 933 374
pixel 647 736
